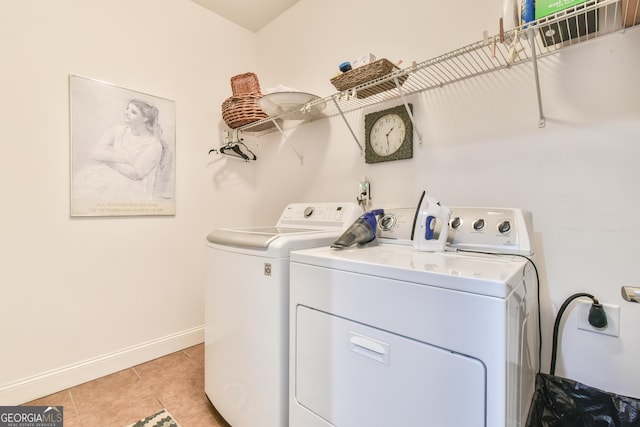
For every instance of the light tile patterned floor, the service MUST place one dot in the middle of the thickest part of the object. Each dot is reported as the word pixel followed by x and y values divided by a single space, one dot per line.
pixel 174 382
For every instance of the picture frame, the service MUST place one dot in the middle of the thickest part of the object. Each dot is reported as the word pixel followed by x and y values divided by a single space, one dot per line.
pixel 123 146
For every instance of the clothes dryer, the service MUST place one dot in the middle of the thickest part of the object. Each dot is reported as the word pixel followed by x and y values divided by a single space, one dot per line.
pixel 247 311
pixel 386 335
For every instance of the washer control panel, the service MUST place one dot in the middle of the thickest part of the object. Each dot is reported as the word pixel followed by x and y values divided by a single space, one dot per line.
pixel 320 216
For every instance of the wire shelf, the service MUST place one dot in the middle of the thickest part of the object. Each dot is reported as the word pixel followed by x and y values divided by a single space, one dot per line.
pixel 524 44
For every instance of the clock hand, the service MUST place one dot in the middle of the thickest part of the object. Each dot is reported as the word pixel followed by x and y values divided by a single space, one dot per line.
pixel 390 131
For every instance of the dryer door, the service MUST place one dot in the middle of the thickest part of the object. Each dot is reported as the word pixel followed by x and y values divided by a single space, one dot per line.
pixel 351 374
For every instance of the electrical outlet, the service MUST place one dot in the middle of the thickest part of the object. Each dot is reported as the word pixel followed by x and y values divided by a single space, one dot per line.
pixel 613 319
pixel 364 194
pixel 365 186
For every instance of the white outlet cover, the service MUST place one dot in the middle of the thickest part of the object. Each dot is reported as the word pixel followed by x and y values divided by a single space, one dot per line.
pixel 613 319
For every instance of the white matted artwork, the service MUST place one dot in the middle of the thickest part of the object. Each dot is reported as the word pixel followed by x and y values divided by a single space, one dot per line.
pixel 122 151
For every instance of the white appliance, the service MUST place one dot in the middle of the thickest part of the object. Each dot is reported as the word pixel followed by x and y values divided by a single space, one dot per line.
pixel 389 336
pixel 247 310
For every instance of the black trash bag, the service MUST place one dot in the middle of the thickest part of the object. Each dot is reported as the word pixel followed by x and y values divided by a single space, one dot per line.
pixel 560 402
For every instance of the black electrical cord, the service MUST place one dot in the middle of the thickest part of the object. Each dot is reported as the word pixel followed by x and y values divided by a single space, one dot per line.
pixel 597 318
pixel 535 269
pixel 597 315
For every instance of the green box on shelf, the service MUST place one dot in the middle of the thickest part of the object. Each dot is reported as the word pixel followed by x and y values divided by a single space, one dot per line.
pixel 549 7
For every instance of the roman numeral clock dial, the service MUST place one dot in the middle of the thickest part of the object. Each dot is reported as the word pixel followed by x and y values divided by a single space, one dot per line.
pixel 388 135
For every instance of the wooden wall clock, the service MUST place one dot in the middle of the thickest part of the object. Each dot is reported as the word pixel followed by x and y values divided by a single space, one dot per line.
pixel 388 135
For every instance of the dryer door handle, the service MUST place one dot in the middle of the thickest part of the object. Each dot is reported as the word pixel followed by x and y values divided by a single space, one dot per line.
pixel 369 347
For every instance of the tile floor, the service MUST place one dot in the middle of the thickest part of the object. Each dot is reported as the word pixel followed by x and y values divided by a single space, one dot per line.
pixel 174 382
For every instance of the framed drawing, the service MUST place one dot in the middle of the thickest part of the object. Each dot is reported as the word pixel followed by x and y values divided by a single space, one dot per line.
pixel 122 151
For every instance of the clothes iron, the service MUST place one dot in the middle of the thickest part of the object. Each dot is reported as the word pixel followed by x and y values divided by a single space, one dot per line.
pixel 429 212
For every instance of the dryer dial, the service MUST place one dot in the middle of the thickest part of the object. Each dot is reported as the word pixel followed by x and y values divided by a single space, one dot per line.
pixel 478 224
pixel 387 222
pixel 504 226
pixel 455 223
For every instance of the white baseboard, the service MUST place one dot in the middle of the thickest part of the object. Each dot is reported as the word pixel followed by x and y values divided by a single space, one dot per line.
pixel 46 383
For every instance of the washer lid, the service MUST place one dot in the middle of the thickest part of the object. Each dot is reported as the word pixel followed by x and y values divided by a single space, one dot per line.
pixel 491 275
pixel 253 237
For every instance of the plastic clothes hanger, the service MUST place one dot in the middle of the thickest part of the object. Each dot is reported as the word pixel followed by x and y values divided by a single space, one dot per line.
pixel 236 149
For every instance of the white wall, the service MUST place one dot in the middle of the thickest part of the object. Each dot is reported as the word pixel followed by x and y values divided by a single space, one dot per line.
pixel 482 146
pixel 82 297
pixel 85 297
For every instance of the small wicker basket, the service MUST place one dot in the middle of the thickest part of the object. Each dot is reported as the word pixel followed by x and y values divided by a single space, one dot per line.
pixel 242 108
pixel 367 73
pixel 631 12
pixel 246 83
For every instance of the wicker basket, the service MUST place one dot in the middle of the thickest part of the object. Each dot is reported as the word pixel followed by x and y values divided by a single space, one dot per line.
pixel 242 108
pixel 631 12
pixel 246 83
pixel 366 73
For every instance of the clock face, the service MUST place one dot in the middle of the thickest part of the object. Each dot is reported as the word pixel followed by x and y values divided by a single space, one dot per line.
pixel 387 134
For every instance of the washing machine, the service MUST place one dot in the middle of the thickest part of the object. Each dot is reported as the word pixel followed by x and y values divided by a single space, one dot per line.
pixel 247 309
pixel 389 336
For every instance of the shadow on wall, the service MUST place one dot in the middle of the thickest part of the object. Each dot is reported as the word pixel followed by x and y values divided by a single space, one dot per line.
pixel 290 166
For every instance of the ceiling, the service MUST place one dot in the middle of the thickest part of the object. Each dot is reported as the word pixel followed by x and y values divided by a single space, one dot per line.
pixel 250 14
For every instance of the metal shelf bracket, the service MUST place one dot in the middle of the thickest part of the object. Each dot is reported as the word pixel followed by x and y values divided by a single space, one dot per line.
pixel 406 106
pixel 286 140
pixel 534 61
pixel 232 135
pixel 335 101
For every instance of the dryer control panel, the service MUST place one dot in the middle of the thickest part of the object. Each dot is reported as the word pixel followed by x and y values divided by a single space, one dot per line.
pixel 494 230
